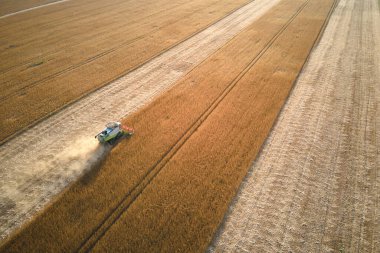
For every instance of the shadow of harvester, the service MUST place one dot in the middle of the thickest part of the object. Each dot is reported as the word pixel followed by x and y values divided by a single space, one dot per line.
pixel 96 161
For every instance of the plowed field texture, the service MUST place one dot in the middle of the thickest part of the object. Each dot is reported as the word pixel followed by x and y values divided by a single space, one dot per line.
pixel 169 186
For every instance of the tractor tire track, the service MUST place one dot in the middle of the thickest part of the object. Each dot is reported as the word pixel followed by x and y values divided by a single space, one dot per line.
pixel 315 185
pixel 43 160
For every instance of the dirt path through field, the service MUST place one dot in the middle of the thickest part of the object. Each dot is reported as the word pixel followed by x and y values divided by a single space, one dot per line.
pixel 316 185
pixel 39 163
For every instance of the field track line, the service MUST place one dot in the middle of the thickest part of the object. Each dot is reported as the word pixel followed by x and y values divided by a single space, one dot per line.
pixel 124 204
pixel 117 77
pixel 357 175
pixel 33 8
pixel 377 176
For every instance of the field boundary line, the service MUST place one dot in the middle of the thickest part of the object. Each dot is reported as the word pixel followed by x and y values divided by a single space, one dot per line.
pixel 123 205
pixel 33 8
pixel 12 136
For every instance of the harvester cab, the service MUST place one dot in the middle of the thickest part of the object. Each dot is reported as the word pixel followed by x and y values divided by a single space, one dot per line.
pixel 113 132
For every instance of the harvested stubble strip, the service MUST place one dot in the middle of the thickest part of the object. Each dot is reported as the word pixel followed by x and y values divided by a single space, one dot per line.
pixel 198 183
pixel 93 66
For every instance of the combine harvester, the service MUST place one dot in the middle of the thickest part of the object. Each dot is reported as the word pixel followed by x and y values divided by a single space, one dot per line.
pixel 113 132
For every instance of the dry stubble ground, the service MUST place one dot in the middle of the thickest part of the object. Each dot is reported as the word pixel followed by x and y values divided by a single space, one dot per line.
pixel 54 55
pixel 181 207
pixel 315 187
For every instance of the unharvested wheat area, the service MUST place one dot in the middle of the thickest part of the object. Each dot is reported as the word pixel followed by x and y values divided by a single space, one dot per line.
pixel 255 126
